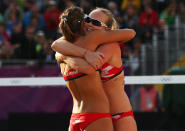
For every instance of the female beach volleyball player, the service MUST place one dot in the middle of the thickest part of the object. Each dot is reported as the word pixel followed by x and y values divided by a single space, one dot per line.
pixel 85 83
pixel 112 75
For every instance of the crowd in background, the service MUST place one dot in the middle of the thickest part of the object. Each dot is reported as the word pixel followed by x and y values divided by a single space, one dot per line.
pixel 28 27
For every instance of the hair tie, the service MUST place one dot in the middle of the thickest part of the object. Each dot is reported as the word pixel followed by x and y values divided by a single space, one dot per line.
pixel 65 19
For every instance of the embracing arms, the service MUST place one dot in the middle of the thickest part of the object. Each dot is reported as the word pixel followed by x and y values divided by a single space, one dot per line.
pixel 98 37
pixel 66 48
pixel 83 66
pixel 92 39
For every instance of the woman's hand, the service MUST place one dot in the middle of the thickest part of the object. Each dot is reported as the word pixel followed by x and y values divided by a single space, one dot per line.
pixel 59 57
pixel 95 59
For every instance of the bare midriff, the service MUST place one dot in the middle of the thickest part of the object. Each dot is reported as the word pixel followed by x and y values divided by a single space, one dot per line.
pixel 119 101
pixel 88 94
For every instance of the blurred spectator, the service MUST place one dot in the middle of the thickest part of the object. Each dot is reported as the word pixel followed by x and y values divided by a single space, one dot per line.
pixel 69 3
pixel 136 4
pixel 51 17
pixel 148 17
pixel 146 99
pixel 1 44
pixel 146 2
pixel 34 21
pixel 87 7
pixel 43 49
pixel 3 5
pixel 3 35
pixel 41 5
pixel 59 33
pixel 112 6
pixel 17 34
pixel 130 18
pixel 7 51
pixel 27 5
pixel 20 3
pixel 12 20
pixel 120 20
pixel 14 8
pixel 161 29
pixel 63 4
pixel 134 56
pixel 160 5
pixel 36 15
pixel 125 51
pixel 28 45
pixel 99 3
pixel 1 18
pixel 182 12
pixel 16 38
pixel 148 22
pixel 48 53
pixel 168 15
pixel 40 40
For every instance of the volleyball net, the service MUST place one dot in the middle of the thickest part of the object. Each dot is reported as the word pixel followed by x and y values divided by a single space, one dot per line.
pixel 48 94
pixel 58 81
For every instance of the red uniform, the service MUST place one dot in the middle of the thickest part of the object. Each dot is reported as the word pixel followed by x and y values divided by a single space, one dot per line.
pixel 118 116
pixel 108 71
pixel 79 121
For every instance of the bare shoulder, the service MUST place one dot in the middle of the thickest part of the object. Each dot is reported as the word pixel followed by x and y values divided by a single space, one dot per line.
pixel 110 47
pixel 59 39
pixel 117 46
pixel 114 46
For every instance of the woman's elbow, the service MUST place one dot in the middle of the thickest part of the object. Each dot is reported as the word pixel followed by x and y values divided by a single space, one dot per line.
pixel 53 45
pixel 133 33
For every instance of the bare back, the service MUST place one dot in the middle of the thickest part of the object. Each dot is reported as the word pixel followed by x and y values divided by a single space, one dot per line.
pixel 87 91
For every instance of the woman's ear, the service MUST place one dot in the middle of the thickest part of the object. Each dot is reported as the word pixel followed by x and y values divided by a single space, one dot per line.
pixel 83 27
pixel 82 23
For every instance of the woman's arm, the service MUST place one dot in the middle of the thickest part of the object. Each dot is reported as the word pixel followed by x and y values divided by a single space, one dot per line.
pixel 75 62
pixel 92 40
pixel 68 49
pixel 83 66
pixel 98 37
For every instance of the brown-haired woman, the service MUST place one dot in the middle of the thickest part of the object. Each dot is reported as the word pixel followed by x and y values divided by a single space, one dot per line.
pixel 89 98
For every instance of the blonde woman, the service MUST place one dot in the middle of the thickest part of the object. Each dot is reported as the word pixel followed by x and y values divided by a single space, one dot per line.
pixel 90 40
